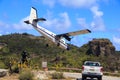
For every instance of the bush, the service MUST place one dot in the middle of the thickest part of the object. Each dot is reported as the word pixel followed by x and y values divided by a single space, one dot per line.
pixel 112 74
pixel 57 75
pixel 26 75
pixel 15 69
pixel 2 65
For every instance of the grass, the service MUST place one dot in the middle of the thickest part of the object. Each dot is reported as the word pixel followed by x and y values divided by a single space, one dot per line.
pixel 2 65
pixel 111 74
pixel 57 75
pixel 26 75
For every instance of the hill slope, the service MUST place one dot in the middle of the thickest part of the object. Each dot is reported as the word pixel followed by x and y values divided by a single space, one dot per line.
pixel 14 44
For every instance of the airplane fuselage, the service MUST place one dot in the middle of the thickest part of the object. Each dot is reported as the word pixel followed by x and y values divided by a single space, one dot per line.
pixel 51 36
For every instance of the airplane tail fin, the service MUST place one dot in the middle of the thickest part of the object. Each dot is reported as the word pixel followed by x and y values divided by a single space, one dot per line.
pixel 33 15
pixel 33 18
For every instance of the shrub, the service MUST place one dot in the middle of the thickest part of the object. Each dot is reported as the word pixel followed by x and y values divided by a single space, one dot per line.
pixel 15 69
pixel 2 65
pixel 26 75
pixel 57 75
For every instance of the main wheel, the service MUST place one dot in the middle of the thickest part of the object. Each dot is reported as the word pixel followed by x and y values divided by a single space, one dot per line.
pixel 58 44
pixel 47 45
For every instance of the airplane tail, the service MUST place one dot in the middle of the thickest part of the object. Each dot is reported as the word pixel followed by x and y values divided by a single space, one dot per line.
pixel 33 18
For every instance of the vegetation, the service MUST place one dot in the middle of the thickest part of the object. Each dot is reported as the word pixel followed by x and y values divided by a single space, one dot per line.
pixel 15 44
pixel 57 75
pixel 26 75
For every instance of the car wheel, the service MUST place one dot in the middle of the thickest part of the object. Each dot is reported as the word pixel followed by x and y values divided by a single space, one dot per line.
pixel 99 78
pixel 83 77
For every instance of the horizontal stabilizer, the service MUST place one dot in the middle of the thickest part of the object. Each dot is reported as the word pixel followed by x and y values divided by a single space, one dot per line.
pixel 39 19
pixel 27 22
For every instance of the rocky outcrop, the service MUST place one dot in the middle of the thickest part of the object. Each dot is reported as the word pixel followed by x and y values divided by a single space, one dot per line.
pixel 2 45
pixel 3 72
pixel 101 47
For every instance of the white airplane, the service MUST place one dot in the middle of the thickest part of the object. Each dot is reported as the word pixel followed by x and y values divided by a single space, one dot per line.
pixel 57 39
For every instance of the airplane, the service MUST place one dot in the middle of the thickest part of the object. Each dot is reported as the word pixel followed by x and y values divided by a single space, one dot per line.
pixel 59 39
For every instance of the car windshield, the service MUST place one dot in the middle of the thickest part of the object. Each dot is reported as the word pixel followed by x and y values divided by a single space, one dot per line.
pixel 91 64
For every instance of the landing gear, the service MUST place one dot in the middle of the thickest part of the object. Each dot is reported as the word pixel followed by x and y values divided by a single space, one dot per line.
pixel 68 48
pixel 58 44
pixel 47 45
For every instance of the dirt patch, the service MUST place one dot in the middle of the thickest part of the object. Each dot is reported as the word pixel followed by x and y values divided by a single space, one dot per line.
pixel 10 77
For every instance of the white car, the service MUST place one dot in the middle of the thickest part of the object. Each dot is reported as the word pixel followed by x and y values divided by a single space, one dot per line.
pixel 92 69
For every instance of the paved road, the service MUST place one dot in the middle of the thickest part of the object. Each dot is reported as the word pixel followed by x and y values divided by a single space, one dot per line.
pixel 78 76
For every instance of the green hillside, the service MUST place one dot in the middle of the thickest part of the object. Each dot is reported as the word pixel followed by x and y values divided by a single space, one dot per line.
pixel 13 45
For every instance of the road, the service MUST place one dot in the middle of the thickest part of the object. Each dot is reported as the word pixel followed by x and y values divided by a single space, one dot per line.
pixel 79 77
pixel 42 75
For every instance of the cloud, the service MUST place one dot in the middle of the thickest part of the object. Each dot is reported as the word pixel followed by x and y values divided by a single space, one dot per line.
pixel 21 25
pixel 4 25
pixel 82 22
pixel 96 11
pixel 6 28
pixel 116 40
pixel 50 3
pixel 78 3
pixel 61 23
pixel 72 3
pixel 18 26
pixel 69 3
pixel 97 24
pixel 65 19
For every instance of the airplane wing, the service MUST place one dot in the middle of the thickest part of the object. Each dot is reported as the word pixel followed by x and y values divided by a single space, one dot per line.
pixel 67 35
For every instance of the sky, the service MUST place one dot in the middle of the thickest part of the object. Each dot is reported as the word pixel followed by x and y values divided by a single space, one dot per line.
pixel 102 17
